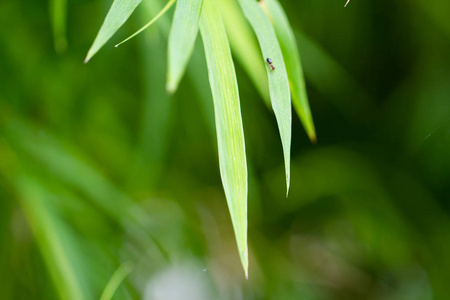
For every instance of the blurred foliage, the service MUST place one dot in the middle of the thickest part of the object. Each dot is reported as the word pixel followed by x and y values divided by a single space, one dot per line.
pixel 101 169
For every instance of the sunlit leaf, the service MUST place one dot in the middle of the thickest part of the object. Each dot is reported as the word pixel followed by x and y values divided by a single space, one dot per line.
pixel 244 46
pixel 280 96
pixel 120 12
pixel 293 64
pixel 182 39
pixel 230 134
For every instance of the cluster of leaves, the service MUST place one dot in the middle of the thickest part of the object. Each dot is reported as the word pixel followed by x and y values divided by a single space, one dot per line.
pixel 276 44
pixel 102 170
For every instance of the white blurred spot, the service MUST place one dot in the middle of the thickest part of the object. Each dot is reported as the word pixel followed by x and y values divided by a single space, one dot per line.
pixel 185 282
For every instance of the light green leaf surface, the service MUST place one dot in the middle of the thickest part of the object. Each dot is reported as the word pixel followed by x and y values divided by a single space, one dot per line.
pixel 280 95
pixel 293 64
pixel 120 12
pixel 58 15
pixel 230 134
pixel 244 46
pixel 182 40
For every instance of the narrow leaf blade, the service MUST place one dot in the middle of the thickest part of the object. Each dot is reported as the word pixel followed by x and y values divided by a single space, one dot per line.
pixel 116 279
pixel 182 39
pixel 155 18
pixel 53 238
pixel 120 12
pixel 293 64
pixel 280 95
pixel 230 133
pixel 244 46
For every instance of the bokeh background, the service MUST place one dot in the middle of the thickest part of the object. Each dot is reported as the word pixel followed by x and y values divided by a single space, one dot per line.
pixel 103 176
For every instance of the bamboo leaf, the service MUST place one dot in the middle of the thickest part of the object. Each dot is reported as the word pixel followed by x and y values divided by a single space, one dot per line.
pixel 244 46
pixel 293 64
pixel 116 279
pixel 182 39
pixel 230 134
pixel 280 96
pixel 53 238
pixel 120 12
pixel 162 12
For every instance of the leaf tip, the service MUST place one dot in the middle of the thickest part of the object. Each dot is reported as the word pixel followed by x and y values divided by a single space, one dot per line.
pixel 244 262
pixel 312 137
pixel 308 124
pixel 60 46
pixel 287 187
pixel 171 87
pixel 92 51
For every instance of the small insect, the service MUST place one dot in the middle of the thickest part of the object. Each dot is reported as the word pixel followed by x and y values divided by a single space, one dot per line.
pixel 269 61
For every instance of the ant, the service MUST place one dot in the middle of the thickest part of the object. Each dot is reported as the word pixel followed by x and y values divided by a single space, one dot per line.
pixel 269 61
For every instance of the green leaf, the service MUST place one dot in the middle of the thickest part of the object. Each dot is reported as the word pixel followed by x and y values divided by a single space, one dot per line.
pixel 53 238
pixel 58 15
pixel 182 39
pixel 280 95
pixel 65 163
pixel 244 46
pixel 115 281
pixel 230 133
pixel 161 13
pixel 293 64
pixel 120 12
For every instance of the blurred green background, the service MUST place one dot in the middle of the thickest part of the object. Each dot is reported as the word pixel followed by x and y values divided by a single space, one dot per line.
pixel 103 176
